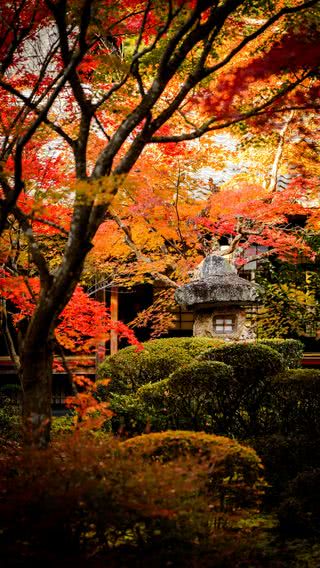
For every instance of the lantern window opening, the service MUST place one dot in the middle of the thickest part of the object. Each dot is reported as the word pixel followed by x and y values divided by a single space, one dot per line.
pixel 224 324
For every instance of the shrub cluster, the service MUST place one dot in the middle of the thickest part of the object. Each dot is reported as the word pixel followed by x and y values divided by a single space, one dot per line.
pixel 233 481
pixel 130 368
pixel 250 392
pixel 252 362
pixel 87 498
pixel 222 392
pixel 290 349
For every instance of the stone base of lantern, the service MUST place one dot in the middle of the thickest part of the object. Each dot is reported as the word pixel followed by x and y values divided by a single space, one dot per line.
pixel 228 323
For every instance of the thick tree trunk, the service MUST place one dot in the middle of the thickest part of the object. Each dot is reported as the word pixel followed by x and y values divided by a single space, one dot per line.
pixel 37 358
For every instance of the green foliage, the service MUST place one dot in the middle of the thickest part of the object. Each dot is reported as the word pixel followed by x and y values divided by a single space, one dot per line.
pixel 154 393
pixel 253 365
pixel 290 349
pixel 233 472
pixel 299 513
pixel 295 402
pixel 10 419
pixel 132 416
pixel 202 396
pixel 227 395
pixel 62 425
pixel 193 345
pixel 251 361
pixel 288 435
pixel 289 298
pixel 129 368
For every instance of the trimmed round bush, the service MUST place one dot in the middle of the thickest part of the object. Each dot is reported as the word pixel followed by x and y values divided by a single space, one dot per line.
pixel 193 345
pixel 250 361
pixel 233 473
pixel 203 396
pixel 129 368
pixel 199 396
pixel 295 402
pixel 290 349
pixel 254 366
pixel 154 393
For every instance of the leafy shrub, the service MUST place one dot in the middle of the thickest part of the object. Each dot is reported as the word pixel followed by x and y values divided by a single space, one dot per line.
pixel 129 368
pixel 203 396
pixel 79 500
pixel 154 394
pixel 233 477
pixel 133 416
pixel 296 402
pixel 199 396
pixel 254 366
pixel 61 425
pixel 299 513
pixel 284 457
pixel 290 349
pixel 193 345
pixel 10 418
pixel 250 361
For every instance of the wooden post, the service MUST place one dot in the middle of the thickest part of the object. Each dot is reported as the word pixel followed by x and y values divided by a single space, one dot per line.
pixel 101 347
pixel 114 309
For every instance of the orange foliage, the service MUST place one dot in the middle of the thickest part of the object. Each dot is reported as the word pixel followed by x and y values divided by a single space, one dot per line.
pixel 90 414
pixel 84 322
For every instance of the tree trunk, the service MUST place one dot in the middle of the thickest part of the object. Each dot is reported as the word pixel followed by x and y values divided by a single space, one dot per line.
pixel 37 359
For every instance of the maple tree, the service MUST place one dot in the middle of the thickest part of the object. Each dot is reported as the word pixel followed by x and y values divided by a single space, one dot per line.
pixel 88 85
pixel 161 228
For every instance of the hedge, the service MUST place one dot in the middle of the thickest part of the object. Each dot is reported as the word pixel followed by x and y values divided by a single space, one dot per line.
pixel 295 402
pixel 233 478
pixel 290 349
pixel 133 416
pixel 203 396
pixel 251 361
pixel 78 500
pixel 130 368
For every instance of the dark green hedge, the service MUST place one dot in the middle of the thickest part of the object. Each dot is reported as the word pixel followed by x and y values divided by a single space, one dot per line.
pixel 295 402
pixel 203 396
pixel 250 361
pixel 133 416
pixel 290 349
pixel 130 368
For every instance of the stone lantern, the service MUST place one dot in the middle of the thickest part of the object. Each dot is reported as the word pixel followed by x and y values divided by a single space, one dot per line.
pixel 218 298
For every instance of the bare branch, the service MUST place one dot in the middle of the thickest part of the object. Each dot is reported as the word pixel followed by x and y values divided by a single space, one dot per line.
pixel 210 125
pixel 34 107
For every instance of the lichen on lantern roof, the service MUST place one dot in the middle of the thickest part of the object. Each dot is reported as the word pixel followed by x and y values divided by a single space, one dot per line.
pixel 216 283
